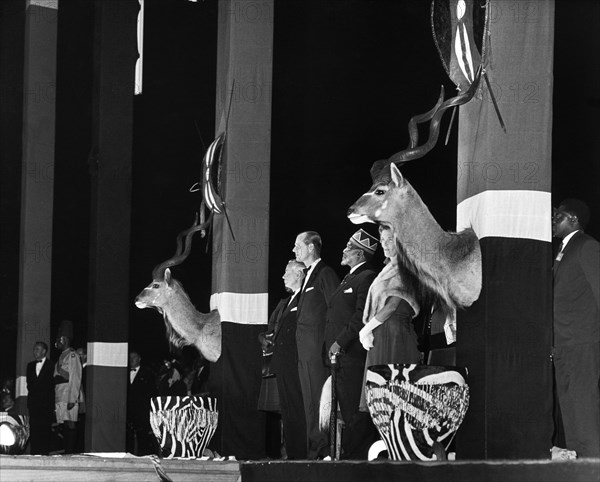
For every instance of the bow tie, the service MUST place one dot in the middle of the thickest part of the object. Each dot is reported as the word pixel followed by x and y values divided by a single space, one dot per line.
pixel 39 361
pixel 133 369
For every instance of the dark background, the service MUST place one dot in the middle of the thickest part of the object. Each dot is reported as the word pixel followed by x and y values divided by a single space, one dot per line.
pixel 347 77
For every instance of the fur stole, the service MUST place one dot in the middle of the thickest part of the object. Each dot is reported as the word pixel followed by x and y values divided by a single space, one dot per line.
pixel 388 283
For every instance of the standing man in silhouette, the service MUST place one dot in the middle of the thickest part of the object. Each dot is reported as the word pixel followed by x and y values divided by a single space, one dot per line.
pixel 281 339
pixel 40 399
pixel 576 352
pixel 141 387
pixel 67 379
pixel 320 283
pixel 344 322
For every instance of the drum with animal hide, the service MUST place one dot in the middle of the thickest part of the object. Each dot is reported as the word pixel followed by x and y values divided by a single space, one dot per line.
pixel 417 408
pixel 183 426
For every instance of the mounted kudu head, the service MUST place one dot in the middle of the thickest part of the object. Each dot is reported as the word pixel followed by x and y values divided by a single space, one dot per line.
pixel 185 325
pixel 438 265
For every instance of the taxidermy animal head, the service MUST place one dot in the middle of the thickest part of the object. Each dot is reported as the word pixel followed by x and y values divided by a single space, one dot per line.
pixel 442 267
pixel 185 325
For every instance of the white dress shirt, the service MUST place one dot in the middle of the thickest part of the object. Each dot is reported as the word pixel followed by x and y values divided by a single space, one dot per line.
pixel 563 245
pixel 309 272
pixel 354 268
pixel 133 373
pixel 39 365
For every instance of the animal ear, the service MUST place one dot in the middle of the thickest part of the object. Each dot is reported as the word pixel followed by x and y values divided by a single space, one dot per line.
pixel 397 178
pixel 168 276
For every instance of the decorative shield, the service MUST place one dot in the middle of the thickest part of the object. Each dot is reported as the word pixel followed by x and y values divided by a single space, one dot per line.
pixel 183 426
pixel 416 408
pixel 210 167
pixel 461 33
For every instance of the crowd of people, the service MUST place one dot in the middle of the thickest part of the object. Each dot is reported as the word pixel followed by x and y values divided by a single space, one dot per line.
pixel 56 395
pixel 367 319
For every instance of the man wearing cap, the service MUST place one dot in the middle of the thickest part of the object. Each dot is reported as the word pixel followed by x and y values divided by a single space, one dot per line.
pixel 67 379
pixel 320 283
pixel 344 321
pixel 576 351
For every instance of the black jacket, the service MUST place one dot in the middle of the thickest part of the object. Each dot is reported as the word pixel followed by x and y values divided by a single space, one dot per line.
pixel 345 315
pixel 40 392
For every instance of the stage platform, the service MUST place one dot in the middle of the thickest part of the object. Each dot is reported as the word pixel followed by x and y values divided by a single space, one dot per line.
pixel 98 468
pixel 84 468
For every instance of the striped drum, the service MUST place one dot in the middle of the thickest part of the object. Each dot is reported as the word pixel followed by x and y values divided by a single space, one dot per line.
pixel 416 408
pixel 183 426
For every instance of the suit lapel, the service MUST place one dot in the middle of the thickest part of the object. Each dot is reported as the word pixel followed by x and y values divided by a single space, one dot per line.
pixel 283 310
pixel 42 371
pixel 348 279
pixel 313 275
pixel 568 248
pixel 311 282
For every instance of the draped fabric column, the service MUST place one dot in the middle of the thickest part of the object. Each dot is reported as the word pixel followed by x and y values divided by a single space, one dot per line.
pixel 115 53
pixel 504 339
pixel 37 183
pixel 240 266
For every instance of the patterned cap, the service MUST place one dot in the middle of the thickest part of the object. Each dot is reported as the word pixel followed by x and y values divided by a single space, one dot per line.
pixel 363 240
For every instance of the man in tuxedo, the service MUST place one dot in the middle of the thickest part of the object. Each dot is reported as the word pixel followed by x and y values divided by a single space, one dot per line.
pixel 141 387
pixel 40 399
pixel 318 287
pixel 576 351
pixel 344 321
pixel 281 337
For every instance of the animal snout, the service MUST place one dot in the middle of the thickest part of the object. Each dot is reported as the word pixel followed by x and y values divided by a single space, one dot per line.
pixel 356 216
pixel 139 302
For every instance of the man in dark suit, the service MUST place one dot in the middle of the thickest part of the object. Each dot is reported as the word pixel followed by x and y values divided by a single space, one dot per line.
pixel 281 337
pixel 344 321
pixel 576 352
pixel 141 387
pixel 40 399
pixel 320 283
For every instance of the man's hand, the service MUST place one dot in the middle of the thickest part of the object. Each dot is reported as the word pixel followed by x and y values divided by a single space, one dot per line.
pixel 266 340
pixel 335 349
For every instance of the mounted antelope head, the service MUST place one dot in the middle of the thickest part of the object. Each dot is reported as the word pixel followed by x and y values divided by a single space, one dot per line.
pixel 185 325
pixel 440 265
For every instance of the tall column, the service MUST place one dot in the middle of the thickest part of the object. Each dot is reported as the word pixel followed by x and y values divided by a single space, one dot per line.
pixel 240 266
pixel 37 183
pixel 115 53
pixel 504 339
